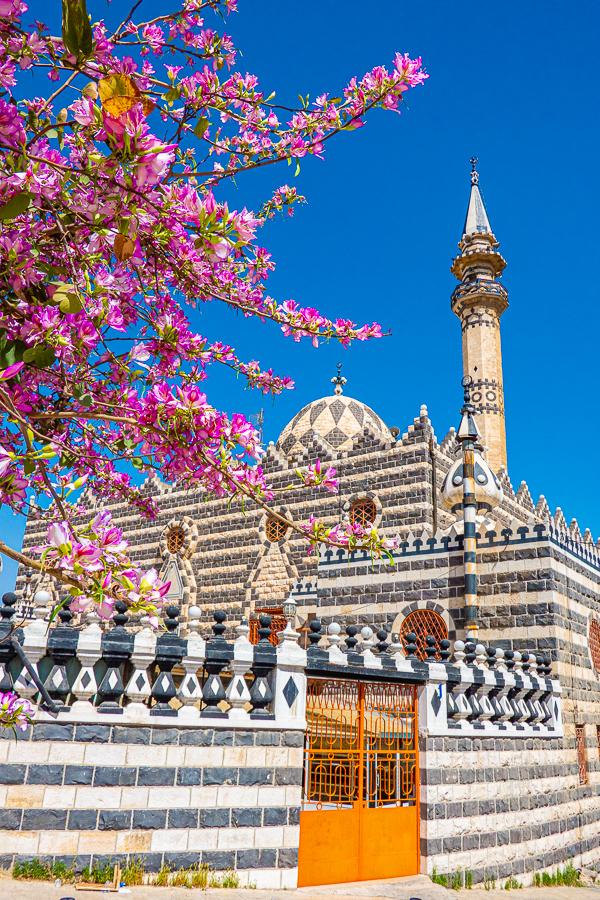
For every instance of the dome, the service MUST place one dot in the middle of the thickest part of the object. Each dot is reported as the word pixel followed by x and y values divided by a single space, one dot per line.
pixel 338 419
pixel 488 490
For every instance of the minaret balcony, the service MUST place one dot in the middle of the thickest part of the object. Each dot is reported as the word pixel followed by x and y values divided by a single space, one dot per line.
pixel 491 294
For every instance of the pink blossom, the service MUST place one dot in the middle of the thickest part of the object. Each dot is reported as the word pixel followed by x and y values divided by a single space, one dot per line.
pixel 11 125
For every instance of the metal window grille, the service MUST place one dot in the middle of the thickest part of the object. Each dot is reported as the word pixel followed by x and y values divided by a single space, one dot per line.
pixel 278 623
pixel 362 512
pixel 594 638
pixel 360 745
pixel 583 776
pixel 175 540
pixel 424 622
pixel 275 529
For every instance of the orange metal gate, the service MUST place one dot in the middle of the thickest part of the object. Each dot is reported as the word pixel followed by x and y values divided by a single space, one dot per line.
pixel 360 803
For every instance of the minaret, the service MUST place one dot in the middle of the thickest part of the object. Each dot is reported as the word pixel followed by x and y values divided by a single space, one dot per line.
pixel 479 301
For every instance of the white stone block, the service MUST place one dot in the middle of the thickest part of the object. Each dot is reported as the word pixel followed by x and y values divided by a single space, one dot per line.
pixel 53 842
pixel 203 838
pixel 291 836
pixel 29 752
pixel 134 798
pixel 289 879
pixel 59 798
pixel 169 839
pixel 256 756
pixel 204 797
pixel 266 879
pixel 105 754
pixel 234 756
pixel 268 837
pixel 293 795
pixel 98 798
pixel 70 753
pixel 229 795
pixel 175 756
pixel 138 755
pixel 169 798
pixel 277 756
pixel 19 841
pixel 235 838
pixel 204 756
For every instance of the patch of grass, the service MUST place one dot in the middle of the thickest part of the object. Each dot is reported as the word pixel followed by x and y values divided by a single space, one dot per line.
pixel 567 877
pixel 134 870
pixel 439 879
pixel 468 880
pixel 229 879
pixel 196 876
pixel 512 884
pixel 457 880
pixel 489 884
pixel 36 870
pixel 98 873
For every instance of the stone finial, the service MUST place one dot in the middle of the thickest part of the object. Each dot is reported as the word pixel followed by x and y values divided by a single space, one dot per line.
pixel 333 631
pixel 480 656
pixel 194 616
pixel 459 653
pixel 339 381
pixel 431 648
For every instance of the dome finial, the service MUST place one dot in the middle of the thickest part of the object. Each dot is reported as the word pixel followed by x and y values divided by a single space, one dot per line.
pixel 339 380
pixel 474 173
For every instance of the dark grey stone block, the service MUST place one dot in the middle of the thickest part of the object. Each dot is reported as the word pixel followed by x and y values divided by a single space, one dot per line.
pixel 254 776
pixel 223 738
pixel 79 774
pixel 83 819
pixel 287 776
pixel 152 861
pixel 275 815
pixel 293 815
pixel 165 736
pixel 6 861
pixel 151 776
pixel 114 776
pixel 243 738
pixel 293 739
pixel 130 734
pixel 245 818
pixel 45 774
pixel 44 819
pixel 183 818
pixel 7 734
pixel 221 775
pixel 268 739
pixel 114 819
pixel 189 776
pixel 10 819
pixel 219 859
pixel 12 774
pixel 287 859
pixel 255 859
pixel 52 731
pixel 196 737
pixel 149 818
pixel 219 818
pixel 94 734
pixel 451 844
pixel 182 860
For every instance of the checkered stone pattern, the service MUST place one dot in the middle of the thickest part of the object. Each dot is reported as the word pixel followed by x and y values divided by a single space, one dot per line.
pixel 339 420
pixel 85 793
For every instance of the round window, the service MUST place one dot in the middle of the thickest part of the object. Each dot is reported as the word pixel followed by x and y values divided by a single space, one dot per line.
pixel 175 540
pixel 595 643
pixel 362 512
pixel 423 623
pixel 275 529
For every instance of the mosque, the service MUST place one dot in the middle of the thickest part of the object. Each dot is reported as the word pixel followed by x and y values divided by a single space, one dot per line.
pixel 508 804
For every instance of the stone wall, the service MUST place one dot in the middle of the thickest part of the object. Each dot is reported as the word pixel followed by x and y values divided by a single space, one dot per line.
pixel 92 792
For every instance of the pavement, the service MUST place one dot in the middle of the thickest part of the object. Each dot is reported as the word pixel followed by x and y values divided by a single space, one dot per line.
pixel 417 887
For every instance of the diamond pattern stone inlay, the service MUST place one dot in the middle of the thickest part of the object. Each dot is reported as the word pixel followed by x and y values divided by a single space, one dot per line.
pixel 336 437
pixel 239 687
pixel 290 691
pixel 337 409
pixel 262 689
pixel 140 681
pixel 191 685
pixel 165 682
pixel 113 680
pixel 85 680
pixel 435 701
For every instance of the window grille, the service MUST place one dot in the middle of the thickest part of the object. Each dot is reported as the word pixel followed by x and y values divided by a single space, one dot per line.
pixel 594 639
pixel 275 529
pixel 278 623
pixel 175 540
pixel 424 622
pixel 362 512
pixel 583 777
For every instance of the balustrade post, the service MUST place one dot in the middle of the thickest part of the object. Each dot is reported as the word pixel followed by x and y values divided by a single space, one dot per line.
pixel 265 659
pixel 89 651
pixel 35 639
pixel 288 679
pixel 7 651
pixel 117 646
pixel 190 690
pixel 169 652
pixel 238 693
pixel 219 654
pixel 139 688
pixel 62 647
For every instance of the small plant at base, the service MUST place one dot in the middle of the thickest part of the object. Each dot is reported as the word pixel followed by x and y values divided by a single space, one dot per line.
pixel 468 880
pixel 537 879
pixel 489 884
pixel 439 879
pixel 133 871
pixel 229 879
pixel 162 876
pixel 512 884
pixel 36 870
pixel 99 873
pixel 457 880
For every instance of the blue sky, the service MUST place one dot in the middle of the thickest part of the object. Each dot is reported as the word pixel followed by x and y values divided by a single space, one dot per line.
pixel 515 84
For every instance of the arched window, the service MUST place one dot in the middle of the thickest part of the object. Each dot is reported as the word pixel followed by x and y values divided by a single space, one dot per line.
pixel 275 529
pixel 175 540
pixel 595 643
pixel 423 622
pixel 362 512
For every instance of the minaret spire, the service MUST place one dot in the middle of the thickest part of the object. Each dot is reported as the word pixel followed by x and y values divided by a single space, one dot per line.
pixel 479 301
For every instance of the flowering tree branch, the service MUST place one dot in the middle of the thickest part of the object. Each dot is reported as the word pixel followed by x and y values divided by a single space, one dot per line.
pixel 110 238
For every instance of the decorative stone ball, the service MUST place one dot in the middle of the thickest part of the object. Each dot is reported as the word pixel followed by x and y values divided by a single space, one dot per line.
pixel 194 612
pixel 41 598
pixel 367 633
pixel 459 645
pixel 334 628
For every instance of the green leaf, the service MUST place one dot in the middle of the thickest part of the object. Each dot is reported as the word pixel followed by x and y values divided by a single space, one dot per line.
pixel 137 462
pixel 28 466
pixel 45 357
pixel 201 126
pixel 11 352
pixel 76 28
pixel 16 205
pixel 87 400
pixel 297 167
pixel 52 133
pixel 70 304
